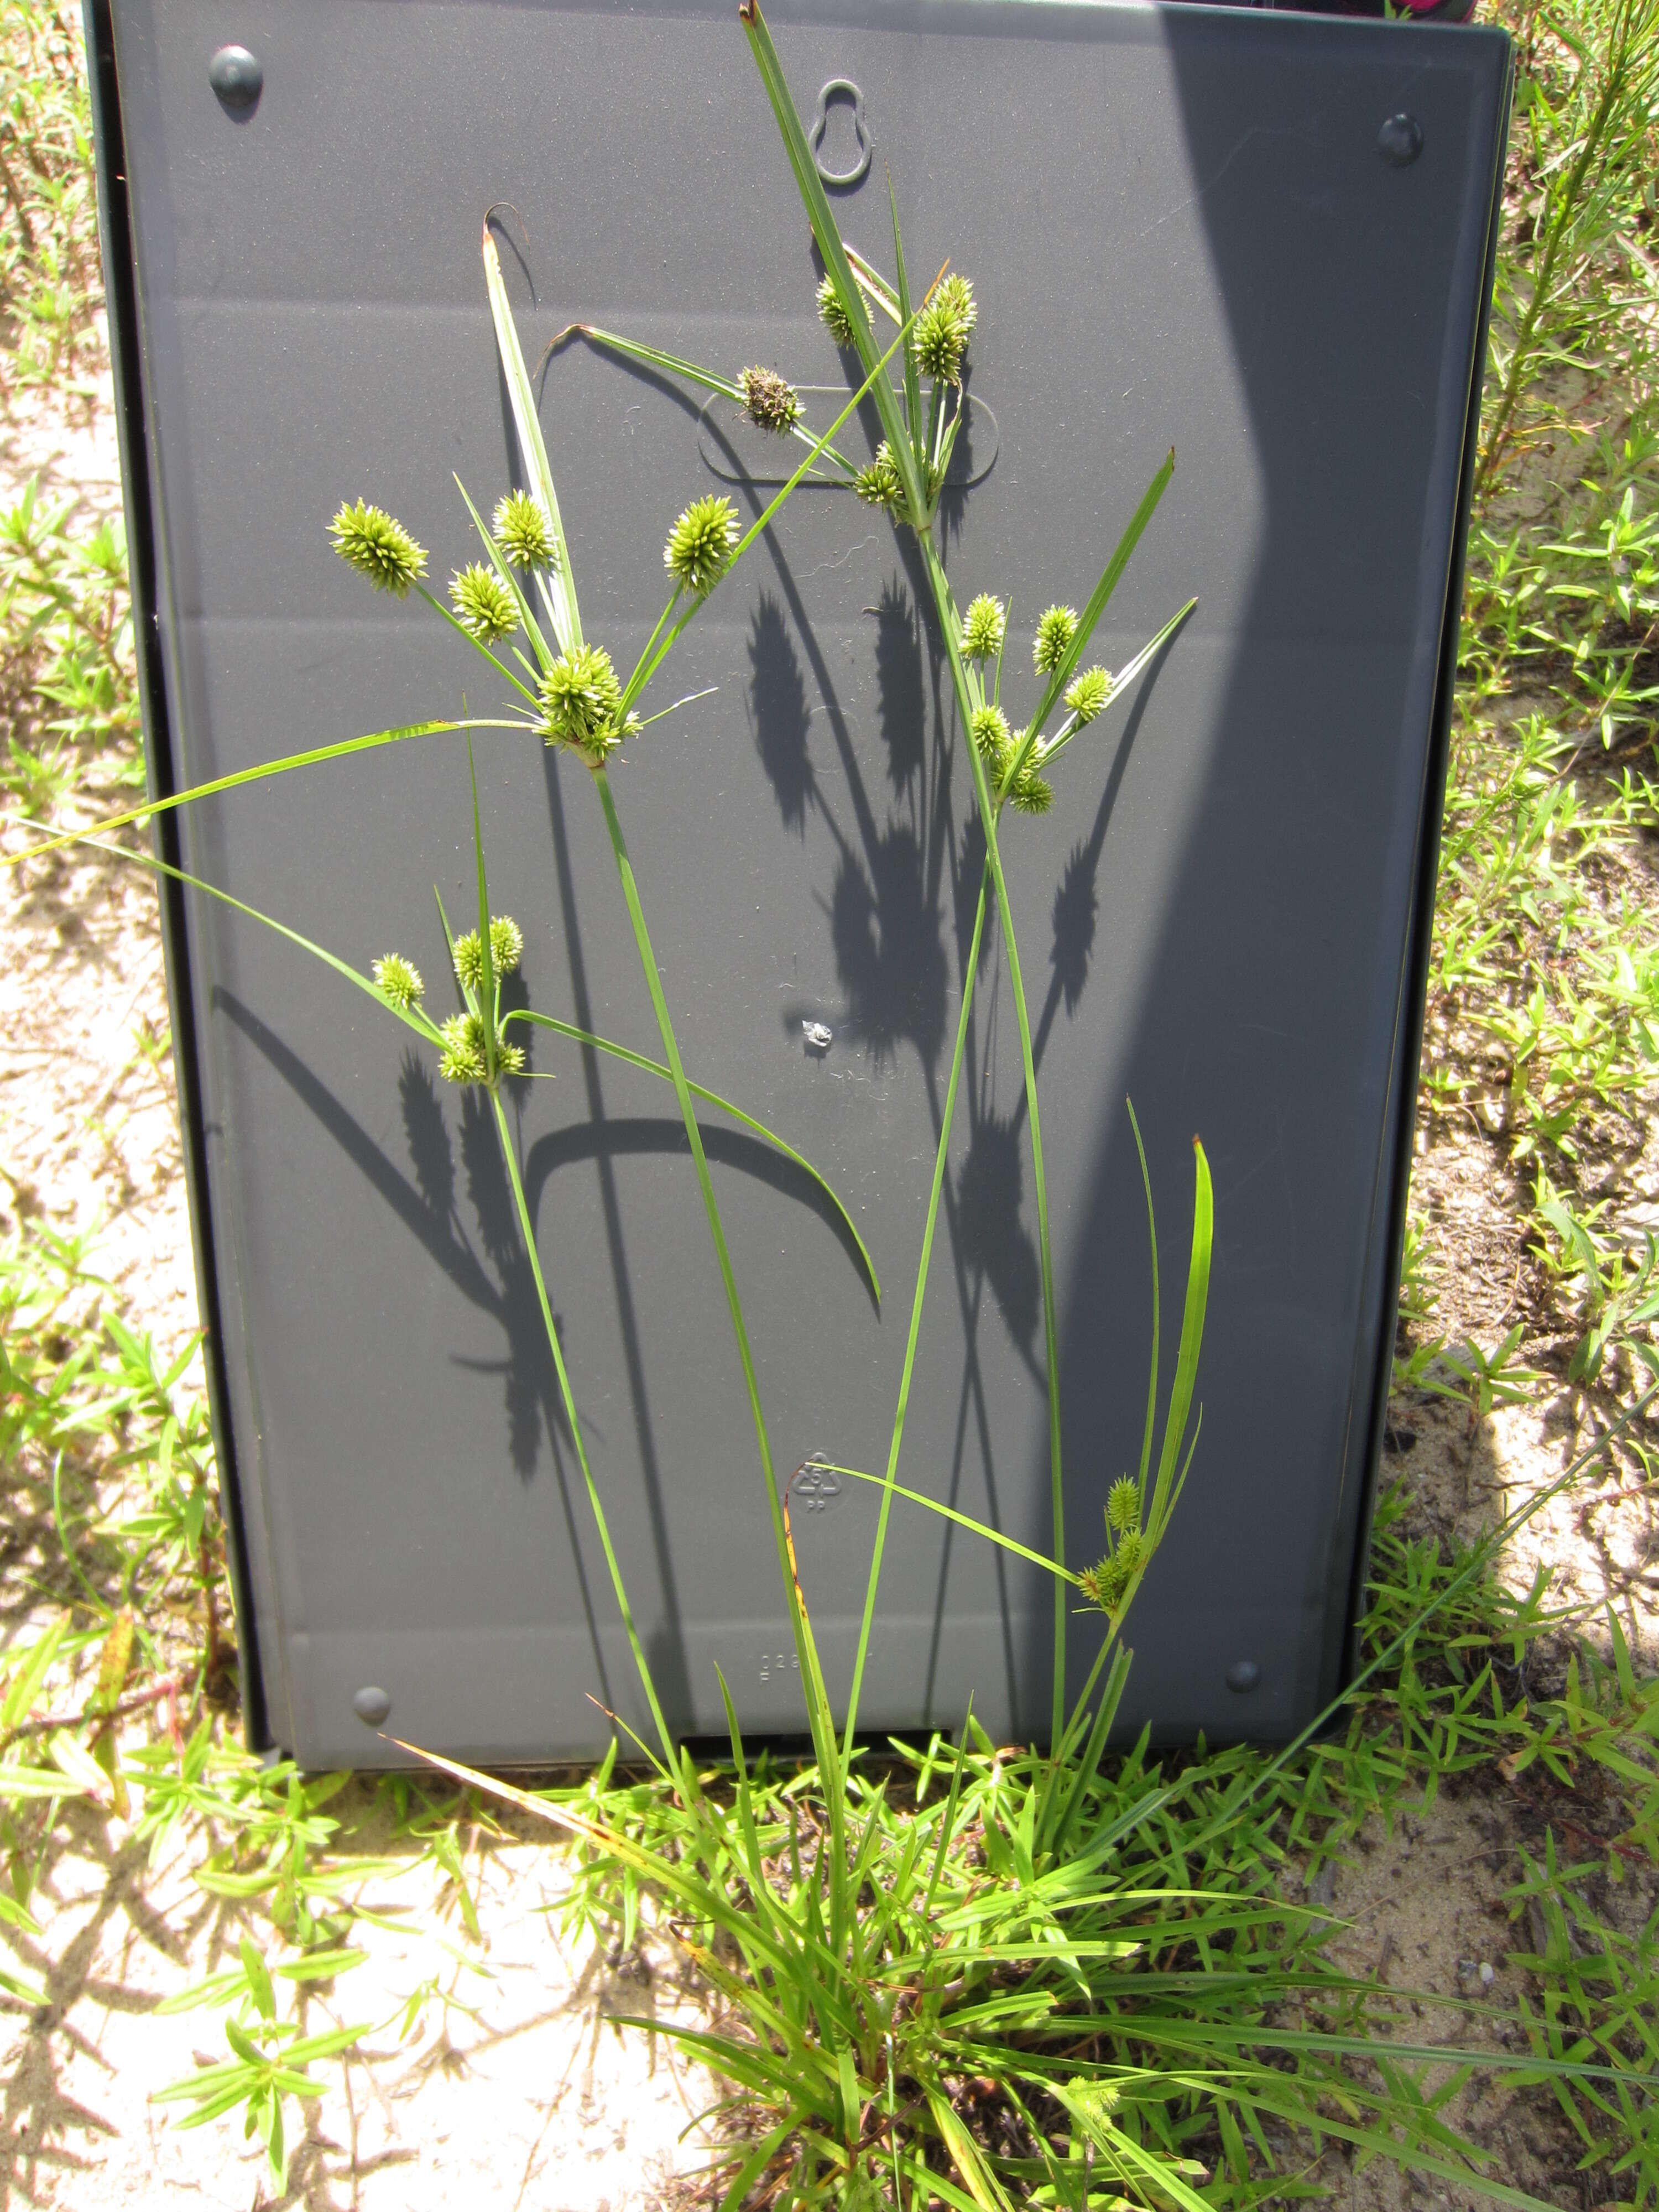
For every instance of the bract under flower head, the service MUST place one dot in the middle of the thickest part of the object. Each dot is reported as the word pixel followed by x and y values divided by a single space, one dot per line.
pixel 483 605
pixel 769 401
pixel 1055 633
pixel 521 530
pixel 379 547
pixel 1089 695
pixel 398 980
pixel 835 317
pixel 700 545
pixel 983 628
pixel 580 694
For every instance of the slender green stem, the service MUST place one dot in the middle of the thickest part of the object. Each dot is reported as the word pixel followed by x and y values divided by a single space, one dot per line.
pixel 527 1228
pixel 823 1732
pixel 945 600
pixel 916 1301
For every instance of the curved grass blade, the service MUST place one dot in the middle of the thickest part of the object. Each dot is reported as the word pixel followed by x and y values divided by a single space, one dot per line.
pixel 950 1513
pixel 709 378
pixel 710 1098
pixel 411 1018
pixel 242 775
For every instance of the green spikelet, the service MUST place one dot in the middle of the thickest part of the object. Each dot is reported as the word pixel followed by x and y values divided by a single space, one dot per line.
pixel 992 739
pixel 483 603
pixel 461 1055
pixel 505 949
pixel 1088 695
pixel 379 547
pixel 398 980
pixel 834 318
pixel 1123 1505
pixel 700 545
pixel 1031 793
pixel 1055 633
pixel 880 484
pixel 983 628
pixel 942 331
pixel 580 694
pixel 523 533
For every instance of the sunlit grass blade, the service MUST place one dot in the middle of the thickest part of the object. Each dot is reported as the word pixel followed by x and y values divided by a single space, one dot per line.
pixel 486 955
pixel 710 379
pixel 477 644
pixel 912 374
pixel 1192 1337
pixel 709 1099
pixel 1103 592
pixel 411 1018
pixel 941 1155
pixel 242 775
pixel 561 588
pixel 950 1513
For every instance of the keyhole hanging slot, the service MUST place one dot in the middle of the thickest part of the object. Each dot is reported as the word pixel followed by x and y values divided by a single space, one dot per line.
pixel 846 95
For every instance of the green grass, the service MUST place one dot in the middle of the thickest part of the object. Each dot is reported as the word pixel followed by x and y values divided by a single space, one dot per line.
pixel 1543 1045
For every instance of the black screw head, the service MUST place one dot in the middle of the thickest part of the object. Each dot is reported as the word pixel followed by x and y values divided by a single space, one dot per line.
pixel 1243 1676
pixel 1400 141
pixel 237 77
pixel 371 1704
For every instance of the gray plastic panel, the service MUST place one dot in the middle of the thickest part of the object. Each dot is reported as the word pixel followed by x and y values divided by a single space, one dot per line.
pixel 1182 232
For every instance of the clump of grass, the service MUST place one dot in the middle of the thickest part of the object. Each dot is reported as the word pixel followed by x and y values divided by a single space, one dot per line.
pixel 68 683
pixel 51 286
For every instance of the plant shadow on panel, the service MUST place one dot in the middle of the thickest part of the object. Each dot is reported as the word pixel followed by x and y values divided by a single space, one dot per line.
pixel 973 1974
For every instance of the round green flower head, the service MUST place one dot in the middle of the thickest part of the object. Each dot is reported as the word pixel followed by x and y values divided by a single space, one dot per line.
pixel 700 545
pixel 505 949
pixel 943 329
pixel 880 482
pixel 379 547
pixel 1055 633
pixel 834 316
pixel 398 980
pixel 461 1056
pixel 1092 691
pixel 521 530
pixel 483 605
pixel 992 739
pixel 1031 792
pixel 580 694
pixel 984 628
pixel 1123 1505
pixel 769 402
